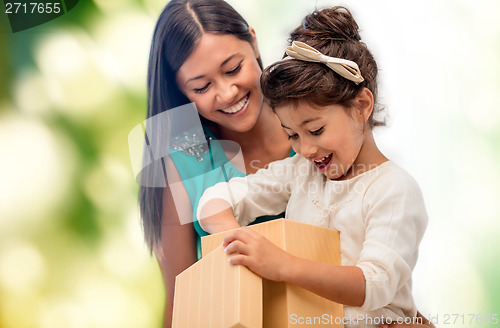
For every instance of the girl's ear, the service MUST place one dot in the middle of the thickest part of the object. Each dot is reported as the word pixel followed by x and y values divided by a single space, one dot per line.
pixel 254 42
pixel 364 105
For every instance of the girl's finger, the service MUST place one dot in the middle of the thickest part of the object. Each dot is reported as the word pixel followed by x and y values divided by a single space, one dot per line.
pixel 238 234
pixel 236 246
pixel 238 259
pixel 251 233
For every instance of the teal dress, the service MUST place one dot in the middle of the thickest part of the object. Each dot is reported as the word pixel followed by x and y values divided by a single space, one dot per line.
pixel 203 166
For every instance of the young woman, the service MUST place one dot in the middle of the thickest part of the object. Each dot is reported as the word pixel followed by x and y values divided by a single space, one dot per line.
pixel 204 52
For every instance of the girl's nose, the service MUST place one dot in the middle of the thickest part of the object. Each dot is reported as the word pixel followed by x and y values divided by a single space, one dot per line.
pixel 308 149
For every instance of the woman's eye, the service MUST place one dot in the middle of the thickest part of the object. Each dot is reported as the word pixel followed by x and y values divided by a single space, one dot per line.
pixel 203 89
pixel 235 70
pixel 293 136
pixel 317 132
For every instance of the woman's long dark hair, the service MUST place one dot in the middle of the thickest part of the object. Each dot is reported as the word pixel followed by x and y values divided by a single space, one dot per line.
pixel 180 26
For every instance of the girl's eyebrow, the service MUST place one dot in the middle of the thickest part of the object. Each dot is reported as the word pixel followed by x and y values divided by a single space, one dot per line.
pixel 309 120
pixel 222 64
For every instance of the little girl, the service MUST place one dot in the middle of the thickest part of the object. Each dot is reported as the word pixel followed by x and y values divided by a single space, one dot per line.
pixel 324 93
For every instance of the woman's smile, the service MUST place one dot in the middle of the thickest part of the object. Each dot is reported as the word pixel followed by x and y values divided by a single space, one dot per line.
pixel 222 77
pixel 239 107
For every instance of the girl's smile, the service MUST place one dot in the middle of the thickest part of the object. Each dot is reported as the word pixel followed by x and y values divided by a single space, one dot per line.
pixel 323 164
pixel 336 139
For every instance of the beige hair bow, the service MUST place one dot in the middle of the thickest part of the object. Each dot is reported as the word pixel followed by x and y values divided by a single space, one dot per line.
pixel 346 68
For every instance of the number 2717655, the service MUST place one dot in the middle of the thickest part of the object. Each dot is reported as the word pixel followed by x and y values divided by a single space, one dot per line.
pixel 32 8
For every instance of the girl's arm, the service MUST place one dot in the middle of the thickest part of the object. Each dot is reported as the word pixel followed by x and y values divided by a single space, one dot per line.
pixel 217 215
pixel 341 284
pixel 227 205
pixel 395 220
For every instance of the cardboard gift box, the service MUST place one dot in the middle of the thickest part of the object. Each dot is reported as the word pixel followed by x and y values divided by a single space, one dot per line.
pixel 214 293
pixel 248 300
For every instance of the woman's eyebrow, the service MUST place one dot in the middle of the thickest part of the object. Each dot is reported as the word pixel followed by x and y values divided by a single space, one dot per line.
pixel 195 78
pixel 222 64
pixel 228 59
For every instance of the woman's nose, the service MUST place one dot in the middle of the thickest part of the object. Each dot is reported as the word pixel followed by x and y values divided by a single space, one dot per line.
pixel 227 93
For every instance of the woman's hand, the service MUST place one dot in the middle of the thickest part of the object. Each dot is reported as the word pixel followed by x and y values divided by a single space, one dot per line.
pixel 249 248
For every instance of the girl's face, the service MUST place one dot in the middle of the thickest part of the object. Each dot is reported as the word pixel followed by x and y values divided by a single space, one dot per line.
pixel 222 77
pixel 329 136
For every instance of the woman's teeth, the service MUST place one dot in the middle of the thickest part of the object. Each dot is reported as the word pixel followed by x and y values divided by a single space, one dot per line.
pixel 236 107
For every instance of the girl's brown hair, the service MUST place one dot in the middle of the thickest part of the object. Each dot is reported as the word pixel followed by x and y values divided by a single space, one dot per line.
pixel 335 33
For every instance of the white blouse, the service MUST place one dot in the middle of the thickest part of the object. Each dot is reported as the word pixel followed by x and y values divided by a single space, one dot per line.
pixel 380 215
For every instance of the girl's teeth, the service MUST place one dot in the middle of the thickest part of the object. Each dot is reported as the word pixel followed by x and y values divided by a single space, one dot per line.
pixel 321 160
pixel 236 107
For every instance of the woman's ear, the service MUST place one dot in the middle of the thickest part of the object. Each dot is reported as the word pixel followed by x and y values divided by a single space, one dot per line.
pixel 254 42
pixel 364 104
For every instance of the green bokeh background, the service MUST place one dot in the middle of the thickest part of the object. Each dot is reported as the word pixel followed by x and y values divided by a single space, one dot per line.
pixel 71 248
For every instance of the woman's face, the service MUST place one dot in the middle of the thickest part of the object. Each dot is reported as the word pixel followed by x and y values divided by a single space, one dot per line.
pixel 222 77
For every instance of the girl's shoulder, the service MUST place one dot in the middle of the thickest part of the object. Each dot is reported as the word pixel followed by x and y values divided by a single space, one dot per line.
pixel 294 166
pixel 390 172
pixel 390 178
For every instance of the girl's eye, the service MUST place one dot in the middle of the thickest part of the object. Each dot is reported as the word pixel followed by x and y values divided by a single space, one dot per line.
pixel 293 136
pixel 235 70
pixel 203 89
pixel 317 132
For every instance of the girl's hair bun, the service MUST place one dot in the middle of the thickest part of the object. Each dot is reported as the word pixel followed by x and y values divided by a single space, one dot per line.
pixel 334 23
pixel 334 33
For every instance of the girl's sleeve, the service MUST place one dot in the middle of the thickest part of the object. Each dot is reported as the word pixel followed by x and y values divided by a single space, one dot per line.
pixel 264 193
pixel 395 221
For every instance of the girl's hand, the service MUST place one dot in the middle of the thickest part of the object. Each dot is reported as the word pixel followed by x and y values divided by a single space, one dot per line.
pixel 251 249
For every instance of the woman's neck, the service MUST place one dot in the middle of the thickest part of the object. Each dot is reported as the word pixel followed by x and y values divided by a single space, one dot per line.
pixel 266 133
pixel 264 143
